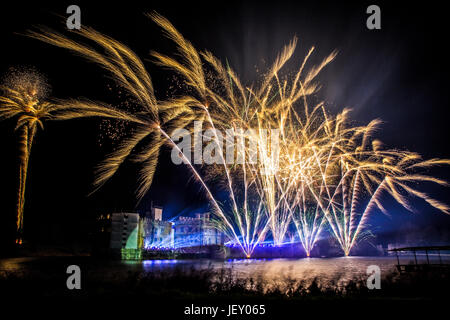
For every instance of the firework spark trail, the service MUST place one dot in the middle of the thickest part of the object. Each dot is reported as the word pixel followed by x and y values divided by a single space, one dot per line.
pixel 266 177
pixel 129 72
pixel 210 195
pixel 325 172
pixel 255 114
pixel 272 107
pixel 312 163
pixel 24 99
pixel 366 176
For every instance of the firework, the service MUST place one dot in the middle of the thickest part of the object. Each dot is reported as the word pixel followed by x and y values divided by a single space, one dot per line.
pixel 24 99
pixel 364 175
pixel 325 173
pixel 320 155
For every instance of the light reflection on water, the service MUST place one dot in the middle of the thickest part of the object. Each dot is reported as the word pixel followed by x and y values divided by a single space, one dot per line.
pixel 342 269
pixel 339 269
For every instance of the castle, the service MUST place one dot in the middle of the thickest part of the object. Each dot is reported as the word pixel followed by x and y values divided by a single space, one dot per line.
pixel 151 231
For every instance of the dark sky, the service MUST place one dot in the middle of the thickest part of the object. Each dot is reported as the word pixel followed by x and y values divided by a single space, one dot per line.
pixel 398 74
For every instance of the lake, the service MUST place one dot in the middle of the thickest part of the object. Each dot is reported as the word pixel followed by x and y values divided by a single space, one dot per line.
pixel 344 268
pixel 273 272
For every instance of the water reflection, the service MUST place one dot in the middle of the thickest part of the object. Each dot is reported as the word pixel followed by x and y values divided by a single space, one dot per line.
pixel 343 268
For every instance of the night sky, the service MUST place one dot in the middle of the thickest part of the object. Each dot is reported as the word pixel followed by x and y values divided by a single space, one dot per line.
pixel 398 74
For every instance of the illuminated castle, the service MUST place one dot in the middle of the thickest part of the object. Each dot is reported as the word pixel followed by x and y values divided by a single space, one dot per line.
pixel 197 231
pixel 156 232
pixel 131 231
